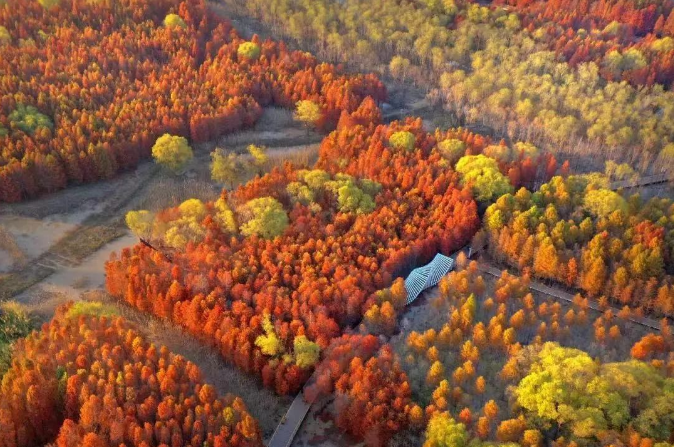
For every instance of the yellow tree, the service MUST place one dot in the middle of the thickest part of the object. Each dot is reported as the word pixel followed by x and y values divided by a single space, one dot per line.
pixel 263 216
pixel 174 20
pixel 308 112
pixel 306 352
pixel 259 154
pixel 226 168
pixel 249 50
pixel 402 140
pixel 172 152
pixel 269 343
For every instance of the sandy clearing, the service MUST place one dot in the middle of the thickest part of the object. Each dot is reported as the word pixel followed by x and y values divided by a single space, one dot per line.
pixel 69 282
pixel 35 236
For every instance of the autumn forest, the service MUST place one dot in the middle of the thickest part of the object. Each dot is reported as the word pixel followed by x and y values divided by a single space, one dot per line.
pixel 437 223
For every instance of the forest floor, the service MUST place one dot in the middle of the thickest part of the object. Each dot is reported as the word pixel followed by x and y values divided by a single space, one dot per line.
pixel 53 249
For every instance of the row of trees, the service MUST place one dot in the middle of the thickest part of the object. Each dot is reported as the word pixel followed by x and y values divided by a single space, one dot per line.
pixel 90 86
pixel 297 253
pixel 580 233
pixel 491 69
pixel 88 378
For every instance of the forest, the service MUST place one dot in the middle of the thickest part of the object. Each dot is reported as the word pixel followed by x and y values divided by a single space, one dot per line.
pixel 88 378
pixel 551 325
pixel 87 90
pixel 527 68
pixel 584 235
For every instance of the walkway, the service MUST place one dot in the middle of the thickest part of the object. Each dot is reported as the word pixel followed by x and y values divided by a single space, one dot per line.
pixel 643 181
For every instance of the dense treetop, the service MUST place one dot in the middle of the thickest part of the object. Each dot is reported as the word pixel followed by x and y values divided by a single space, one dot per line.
pixel 88 87
pixel 582 234
pixel 89 378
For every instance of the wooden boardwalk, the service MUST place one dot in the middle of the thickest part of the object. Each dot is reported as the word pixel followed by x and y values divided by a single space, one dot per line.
pixel 643 181
pixel 565 296
pixel 285 432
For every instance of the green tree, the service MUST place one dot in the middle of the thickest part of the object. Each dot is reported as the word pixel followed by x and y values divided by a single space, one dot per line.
pixel 263 216
pixel 15 323
pixel 249 50
pixel 300 193
pixel 172 152
pixel 444 431
pixel 403 140
pixel 29 119
pixel 174 20
pixel 352 199
pixel 306 352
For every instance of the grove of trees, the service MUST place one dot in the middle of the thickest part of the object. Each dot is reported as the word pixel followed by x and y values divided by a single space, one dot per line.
pixel 577 231
pixel 556 72
pixel 88 87
pixel 89 378
pixel 296 254
pixel 496 364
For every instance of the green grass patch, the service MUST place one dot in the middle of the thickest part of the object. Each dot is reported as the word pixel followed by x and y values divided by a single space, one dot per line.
pixel 93 308
pixel 15 323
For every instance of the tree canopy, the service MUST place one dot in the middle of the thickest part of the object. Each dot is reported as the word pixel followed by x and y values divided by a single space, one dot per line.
pixel 585 398
pixel 308 112
pixel 174 20
pixel 402 140
pixel 263 216
pixel 172 152
pixel 483 174
pixel 249 50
